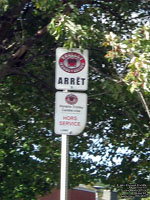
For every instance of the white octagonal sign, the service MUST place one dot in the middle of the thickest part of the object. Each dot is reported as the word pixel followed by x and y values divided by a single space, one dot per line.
pixel 70 113
pixel 71 69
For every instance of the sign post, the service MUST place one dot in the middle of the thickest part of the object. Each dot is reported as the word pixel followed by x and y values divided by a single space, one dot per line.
pixel 64 168
pixel 70 119
pixel 70 107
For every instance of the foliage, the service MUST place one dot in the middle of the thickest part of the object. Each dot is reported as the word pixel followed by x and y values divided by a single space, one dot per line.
pixel 30 32
pixel 148 198
pixel 135 53
pixel 75 34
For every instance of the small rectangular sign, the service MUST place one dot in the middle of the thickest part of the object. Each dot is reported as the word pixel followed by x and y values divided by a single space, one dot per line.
pixel 71 69
pixel 70 113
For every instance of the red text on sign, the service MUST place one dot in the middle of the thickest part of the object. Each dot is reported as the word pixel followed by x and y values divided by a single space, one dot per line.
pixel 69 123
pixel 69 117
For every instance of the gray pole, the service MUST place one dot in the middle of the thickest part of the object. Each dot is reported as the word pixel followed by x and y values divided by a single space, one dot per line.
pixel 64 168
pixel 96 195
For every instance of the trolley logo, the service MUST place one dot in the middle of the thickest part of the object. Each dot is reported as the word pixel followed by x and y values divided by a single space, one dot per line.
pixel 71 99
pixel 72 62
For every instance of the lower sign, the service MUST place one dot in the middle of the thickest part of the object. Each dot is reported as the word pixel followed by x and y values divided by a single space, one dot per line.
pixel 70 113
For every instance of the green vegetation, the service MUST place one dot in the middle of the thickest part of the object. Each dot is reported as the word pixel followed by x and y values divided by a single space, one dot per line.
pixel 117 36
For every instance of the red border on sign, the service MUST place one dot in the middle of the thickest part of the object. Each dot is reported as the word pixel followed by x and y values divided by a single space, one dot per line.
pixel 72 62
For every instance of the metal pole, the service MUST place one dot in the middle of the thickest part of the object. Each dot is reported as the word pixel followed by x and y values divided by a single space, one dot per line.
pixel 64 168
pixel 96 195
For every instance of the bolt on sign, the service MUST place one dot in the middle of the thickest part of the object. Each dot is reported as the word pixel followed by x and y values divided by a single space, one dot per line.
pixel 71 69
pixel 70 112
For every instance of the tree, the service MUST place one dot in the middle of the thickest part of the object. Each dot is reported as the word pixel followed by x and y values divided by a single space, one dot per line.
pixel 30 32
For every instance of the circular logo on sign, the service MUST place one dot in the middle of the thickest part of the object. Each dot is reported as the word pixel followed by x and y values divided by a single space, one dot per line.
pixel 71 99
pixel 72 62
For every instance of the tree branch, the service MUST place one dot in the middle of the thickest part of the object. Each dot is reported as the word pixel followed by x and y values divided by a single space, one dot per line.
pixel 107 77
pixel 9 66
pixel 9 18
pixel 144 104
